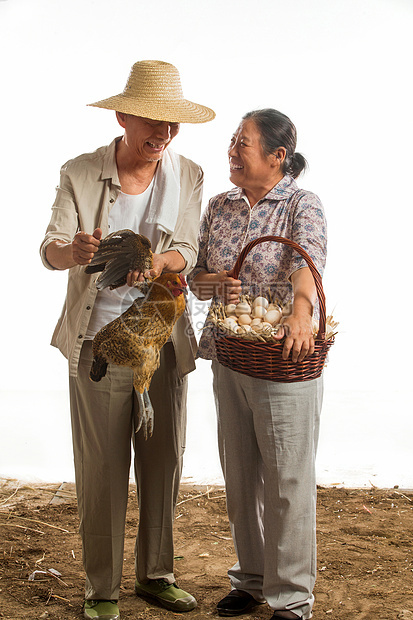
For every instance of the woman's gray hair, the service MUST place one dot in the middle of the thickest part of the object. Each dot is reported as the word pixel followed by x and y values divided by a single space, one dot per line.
pixel 276 130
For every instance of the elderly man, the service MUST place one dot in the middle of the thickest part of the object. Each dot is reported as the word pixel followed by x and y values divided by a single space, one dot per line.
pixel 136 182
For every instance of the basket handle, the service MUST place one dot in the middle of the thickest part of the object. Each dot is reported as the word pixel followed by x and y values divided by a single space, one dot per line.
pixel 317 278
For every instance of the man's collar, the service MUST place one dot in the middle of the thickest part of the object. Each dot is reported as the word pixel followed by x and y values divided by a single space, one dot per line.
pixel 109 168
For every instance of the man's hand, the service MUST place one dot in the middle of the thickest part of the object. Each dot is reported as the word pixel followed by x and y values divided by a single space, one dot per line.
pixel 134 277
pixel 85 246
pixel 171 261
pixel 64 255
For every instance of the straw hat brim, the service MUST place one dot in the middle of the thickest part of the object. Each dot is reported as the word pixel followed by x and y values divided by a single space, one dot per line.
pixel 174 111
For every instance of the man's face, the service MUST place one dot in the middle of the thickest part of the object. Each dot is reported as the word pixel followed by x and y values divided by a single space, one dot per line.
pixel 146 138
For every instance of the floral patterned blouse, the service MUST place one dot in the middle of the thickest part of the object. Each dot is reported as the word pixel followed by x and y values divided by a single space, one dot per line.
pixel 229 223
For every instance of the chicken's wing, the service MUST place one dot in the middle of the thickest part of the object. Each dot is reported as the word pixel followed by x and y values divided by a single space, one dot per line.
pixel 119 253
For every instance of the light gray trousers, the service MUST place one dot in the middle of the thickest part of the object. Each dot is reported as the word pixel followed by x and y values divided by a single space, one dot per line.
pixel 267 434
pixel 103 425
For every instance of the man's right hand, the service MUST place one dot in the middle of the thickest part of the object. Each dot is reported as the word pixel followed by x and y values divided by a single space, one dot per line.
pixel 85 246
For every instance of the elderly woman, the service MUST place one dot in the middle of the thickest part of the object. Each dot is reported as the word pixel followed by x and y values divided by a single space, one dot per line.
pixel 267 431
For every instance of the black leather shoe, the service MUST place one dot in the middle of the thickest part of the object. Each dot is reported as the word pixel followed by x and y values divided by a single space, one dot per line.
pixel 275 616
pixel 236 603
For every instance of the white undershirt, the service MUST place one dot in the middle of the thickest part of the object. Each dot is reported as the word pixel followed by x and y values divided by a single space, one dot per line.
pixel 129 211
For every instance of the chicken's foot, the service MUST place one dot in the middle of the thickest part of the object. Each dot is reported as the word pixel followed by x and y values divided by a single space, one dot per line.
pixel 145 414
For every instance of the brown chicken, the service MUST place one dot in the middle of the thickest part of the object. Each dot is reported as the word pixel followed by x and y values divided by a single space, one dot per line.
pixel 119 253
pixel 136 337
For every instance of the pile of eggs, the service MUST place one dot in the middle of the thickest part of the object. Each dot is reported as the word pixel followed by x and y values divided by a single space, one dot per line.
pixel 260 317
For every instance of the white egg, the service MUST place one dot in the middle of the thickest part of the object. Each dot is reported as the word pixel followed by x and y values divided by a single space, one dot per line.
pixel 256 321
pixel 230 309
pixel 261 301
pixel 258 312
pixel 273 317
pixel 243 329
pixel 244 319
pixel 243 308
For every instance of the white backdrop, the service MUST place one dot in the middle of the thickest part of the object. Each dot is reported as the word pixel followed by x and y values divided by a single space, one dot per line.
pixel 341 69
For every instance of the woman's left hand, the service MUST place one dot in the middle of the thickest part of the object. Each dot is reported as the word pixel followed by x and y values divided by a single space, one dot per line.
pixel 299 340
pixel 298 327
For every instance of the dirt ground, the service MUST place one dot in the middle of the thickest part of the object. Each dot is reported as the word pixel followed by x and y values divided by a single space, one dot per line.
pixel 365 558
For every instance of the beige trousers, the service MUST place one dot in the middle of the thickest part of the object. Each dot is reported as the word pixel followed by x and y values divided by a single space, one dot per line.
pixel 103 423
pixel 268 434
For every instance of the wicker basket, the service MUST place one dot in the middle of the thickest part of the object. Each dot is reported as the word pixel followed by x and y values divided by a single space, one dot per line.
pixel 263 360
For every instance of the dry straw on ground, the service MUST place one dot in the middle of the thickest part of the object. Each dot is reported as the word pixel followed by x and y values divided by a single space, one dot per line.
pixel 365 558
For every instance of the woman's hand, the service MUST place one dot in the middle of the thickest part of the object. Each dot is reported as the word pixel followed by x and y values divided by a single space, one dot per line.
pixel 206 285
pixel 299 340
pixel 298 327
pixel 228 288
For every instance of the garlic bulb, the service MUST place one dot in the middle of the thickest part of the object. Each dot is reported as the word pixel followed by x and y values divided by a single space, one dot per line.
pixel 242 308
pixel 230 309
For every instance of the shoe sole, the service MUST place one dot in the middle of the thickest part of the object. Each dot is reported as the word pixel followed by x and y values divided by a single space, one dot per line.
pixel 232 614
pixel 166 604
pixel 87 617
pixel 91 618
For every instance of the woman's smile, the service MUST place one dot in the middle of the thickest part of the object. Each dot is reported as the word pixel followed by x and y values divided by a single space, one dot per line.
pixel 250 168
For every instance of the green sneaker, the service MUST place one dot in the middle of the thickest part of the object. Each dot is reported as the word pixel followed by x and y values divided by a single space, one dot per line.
pixel 101 610
pixel 166 594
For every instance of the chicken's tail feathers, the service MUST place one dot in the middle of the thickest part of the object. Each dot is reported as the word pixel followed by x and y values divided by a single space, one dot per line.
pixel 98 369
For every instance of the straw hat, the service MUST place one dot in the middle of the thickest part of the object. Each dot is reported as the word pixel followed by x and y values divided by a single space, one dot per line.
pixel 153 90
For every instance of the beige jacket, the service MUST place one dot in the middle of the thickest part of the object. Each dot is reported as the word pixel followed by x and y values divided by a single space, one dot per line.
pixel 89 186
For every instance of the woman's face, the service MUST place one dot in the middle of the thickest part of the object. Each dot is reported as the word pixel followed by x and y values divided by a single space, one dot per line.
pixel 249 167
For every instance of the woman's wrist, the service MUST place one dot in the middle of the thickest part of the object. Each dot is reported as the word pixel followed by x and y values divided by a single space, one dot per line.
pixel 204 285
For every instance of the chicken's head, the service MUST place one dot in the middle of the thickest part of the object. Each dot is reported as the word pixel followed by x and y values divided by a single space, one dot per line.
pixel 175 282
